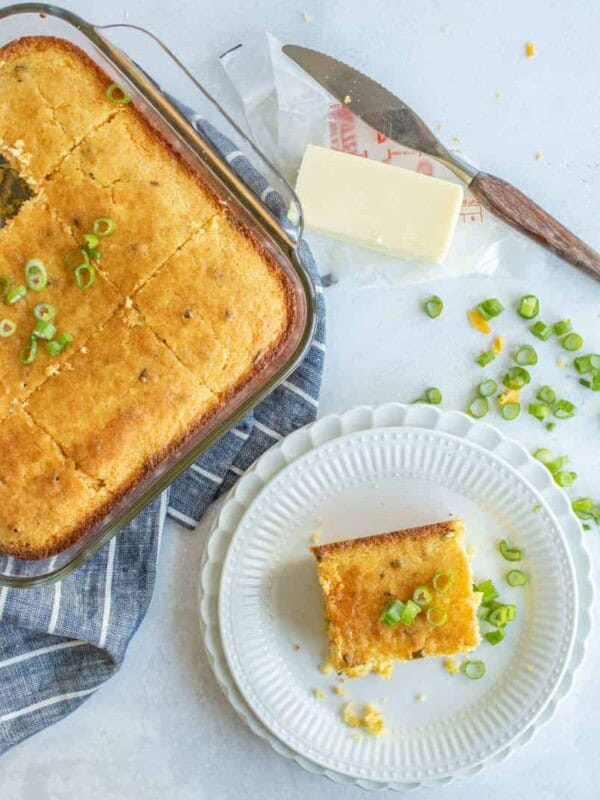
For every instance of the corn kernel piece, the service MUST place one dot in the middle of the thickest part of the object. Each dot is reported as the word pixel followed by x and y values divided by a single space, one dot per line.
pixel 530 49
pixel 478 322
pixel 510 396
pixel 498 345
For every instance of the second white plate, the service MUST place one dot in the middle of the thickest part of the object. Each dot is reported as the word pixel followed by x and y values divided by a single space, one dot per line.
pixel 373 481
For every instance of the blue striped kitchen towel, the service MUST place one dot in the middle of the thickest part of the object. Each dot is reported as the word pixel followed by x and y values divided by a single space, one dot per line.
pixel 59 643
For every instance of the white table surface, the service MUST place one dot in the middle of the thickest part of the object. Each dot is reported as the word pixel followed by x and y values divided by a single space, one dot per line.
pixel 161 728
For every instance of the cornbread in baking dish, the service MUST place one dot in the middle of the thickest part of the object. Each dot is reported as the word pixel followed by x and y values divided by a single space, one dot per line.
pixel 360 577
pixel 185 308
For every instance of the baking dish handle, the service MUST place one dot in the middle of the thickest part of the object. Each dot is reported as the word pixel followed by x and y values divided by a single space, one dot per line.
pixel 277 204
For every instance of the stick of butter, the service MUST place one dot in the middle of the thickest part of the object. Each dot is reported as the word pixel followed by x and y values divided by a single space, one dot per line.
pixel 375 205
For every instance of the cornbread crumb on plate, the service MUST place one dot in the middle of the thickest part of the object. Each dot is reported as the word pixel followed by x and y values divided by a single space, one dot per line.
pixel 371 720
pixel 360 577
pixel 316 537
pixel 339 691
pixel 319 694
pixel 452 666
pixel 326 668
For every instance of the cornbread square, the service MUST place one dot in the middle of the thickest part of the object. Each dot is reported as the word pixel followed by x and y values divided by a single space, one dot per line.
pixel 218 304
pixel 157 204
pixel 43 498
pixel 124 404
pixel 36 73
pixel 35 233
pixel 360 576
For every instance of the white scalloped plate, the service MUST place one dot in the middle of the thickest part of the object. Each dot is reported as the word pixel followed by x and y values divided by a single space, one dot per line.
pixel 367 471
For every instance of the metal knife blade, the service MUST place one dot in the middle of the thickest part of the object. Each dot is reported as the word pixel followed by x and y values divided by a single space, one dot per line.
pixel 375 105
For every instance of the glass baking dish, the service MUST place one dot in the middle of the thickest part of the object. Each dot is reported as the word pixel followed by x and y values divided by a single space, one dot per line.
pixel 147 57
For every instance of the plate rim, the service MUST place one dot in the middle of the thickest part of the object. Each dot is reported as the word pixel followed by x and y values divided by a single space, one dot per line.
pixel 361 419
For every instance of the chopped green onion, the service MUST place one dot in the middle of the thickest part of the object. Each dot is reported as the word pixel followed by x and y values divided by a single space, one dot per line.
pixel 595 360
pixel 495 637
pixel 485 358
pixel 5 284
pixel 53 348
pixel 78 257
pixel 529 306
pixel 36 276
pixel 550 426
pixel 572 342
pixel 544 455
pixel 562 327
pixel 541 330
pixel 516 577
pixel 509 553
pixel 583 507
pixel 29 353
pixel 487 388
pixel 91 241
pixel 583 364
pixel 490 308
pixel 104 226
pixel 392 613
pixel 539 410
pixel 526 356
pixel 442 581
pixel 433 396
pixel 547 395
pixel 94 254
pixel 565 478
pixel 595 386
pixel 510 411
pixel 488 590
pixel 516 378
pixel 563 409
pixel 501 614
pixel 422 596
pixel 436 616
pixel 7 328
pixel 44 330
pixel 44 311
pixel 410 612
pixel 117 95
pixel 14 295
pixel 479 407
pixel 474 670
pixel 65 339
pixel 85 275
pixel 557 464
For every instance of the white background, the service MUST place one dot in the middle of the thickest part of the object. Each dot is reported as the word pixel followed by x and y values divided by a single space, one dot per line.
pixel 160 728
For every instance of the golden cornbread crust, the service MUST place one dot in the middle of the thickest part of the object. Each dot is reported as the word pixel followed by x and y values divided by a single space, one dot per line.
pixel 359 577
pixel 139 398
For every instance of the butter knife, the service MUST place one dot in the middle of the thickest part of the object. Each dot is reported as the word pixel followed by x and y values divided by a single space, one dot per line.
pixel 388 115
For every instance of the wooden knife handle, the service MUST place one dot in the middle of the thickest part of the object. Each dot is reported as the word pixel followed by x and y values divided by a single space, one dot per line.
pixel 516 209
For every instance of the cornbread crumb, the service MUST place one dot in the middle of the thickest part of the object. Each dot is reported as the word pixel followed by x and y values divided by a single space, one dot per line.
pixel 339 691
pixel 373 721
pixel 456 139
pixel 529 49
pixel 370 721
pixel 420 698
pixel 560 362
pixel 350 717
pixel 307 17
pixel 326 668
pixel 451 665
pixel 347 100
pixel 319 694
pixel 316 537
pixel 538 156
